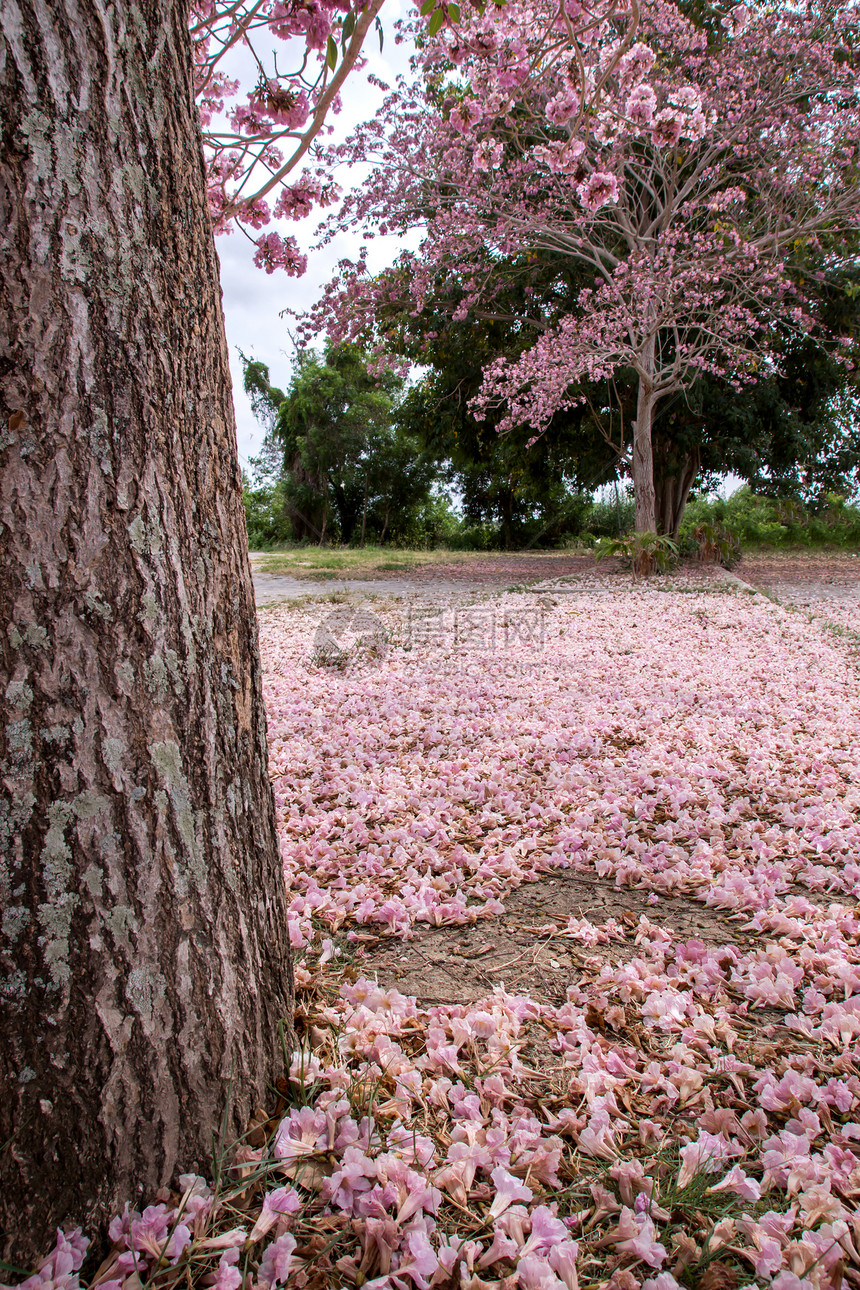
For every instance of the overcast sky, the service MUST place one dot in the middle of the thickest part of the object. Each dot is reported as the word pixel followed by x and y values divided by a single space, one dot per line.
pixel 253 299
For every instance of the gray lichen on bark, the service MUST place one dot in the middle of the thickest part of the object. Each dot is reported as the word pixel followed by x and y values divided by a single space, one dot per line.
pixel 143 946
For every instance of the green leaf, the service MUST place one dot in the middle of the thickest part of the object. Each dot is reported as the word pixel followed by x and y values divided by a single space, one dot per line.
pixel 435 22
pixel 381 34
pixel 348 27
pixel 331 54
pixel 427 7
pixel 454 12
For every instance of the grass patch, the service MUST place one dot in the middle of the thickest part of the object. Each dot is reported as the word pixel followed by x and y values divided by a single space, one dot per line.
pixel 314 562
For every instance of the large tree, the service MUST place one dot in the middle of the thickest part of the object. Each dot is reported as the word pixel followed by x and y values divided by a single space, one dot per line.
pixel 347 470
pixel 142 950
pixel 143 954
pixel 793 430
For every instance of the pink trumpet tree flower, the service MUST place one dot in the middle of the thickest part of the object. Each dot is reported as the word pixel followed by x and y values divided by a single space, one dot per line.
pixel 689 172
pixel 256 138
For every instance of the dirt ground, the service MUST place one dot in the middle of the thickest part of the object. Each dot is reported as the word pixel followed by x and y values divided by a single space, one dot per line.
pixel 528 951
pixel 502 570
pixel 799 576
pixel 475 575
pixel 804 577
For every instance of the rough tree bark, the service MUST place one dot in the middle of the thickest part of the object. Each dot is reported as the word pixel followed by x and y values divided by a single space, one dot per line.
pixel 643 459
pixel 143 956
pixel 307 522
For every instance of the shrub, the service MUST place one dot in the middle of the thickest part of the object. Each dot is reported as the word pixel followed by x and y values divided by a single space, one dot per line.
pixel 710 542
pixel 646 553
pixel 604 519
pixel 775 521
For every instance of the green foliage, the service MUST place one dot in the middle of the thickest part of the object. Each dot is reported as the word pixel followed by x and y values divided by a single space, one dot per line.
pixel 514 493
pixel 753 520
pixel 265 514
pixel 646 553
pixel 710 542
pixel 345 469
pixel 796 430
pixel 610 519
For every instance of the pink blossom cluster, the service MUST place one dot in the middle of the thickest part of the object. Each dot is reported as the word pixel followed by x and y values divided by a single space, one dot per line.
pixel 384 824
pixel 252 143
pixel 255 136
pixel 679 170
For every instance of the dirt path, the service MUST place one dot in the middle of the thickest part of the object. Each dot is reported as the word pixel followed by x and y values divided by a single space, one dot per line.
pixel 270 588
pixel 485 573
pixel 804 577
pixel 564 924
pixel 798 577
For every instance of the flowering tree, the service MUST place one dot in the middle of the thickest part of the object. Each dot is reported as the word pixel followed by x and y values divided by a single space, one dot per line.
pixel 142 953
pixel 254 138
pixel 683 170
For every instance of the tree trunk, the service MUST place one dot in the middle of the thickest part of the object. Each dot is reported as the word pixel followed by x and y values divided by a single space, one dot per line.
pixel 643 457
pixel 364 510
pixel 506 513
pixel 674 476
pixel 143 955
pixel 307 521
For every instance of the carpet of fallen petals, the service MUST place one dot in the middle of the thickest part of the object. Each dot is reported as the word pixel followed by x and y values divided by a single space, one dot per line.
pixel 693 1118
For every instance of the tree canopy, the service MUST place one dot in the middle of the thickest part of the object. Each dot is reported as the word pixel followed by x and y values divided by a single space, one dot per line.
pixel 711 155
pixel 348 469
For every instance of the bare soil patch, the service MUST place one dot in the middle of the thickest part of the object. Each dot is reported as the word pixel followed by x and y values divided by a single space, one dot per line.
pixel 527 950
pixel 503 570
pixel 832 573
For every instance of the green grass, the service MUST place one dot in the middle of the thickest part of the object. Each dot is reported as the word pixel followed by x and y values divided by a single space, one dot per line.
pixel 314 562
pixel 319 564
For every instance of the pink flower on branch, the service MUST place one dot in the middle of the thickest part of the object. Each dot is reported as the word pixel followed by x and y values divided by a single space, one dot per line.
pixel 598 189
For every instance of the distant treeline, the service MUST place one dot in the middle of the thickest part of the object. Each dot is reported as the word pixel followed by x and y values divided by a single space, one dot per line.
pixel 354 458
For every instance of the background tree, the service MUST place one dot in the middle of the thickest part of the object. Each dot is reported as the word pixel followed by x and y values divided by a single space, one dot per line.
pixel 790 432
pixel 348 469
pixel 714 151
pixel 526 494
